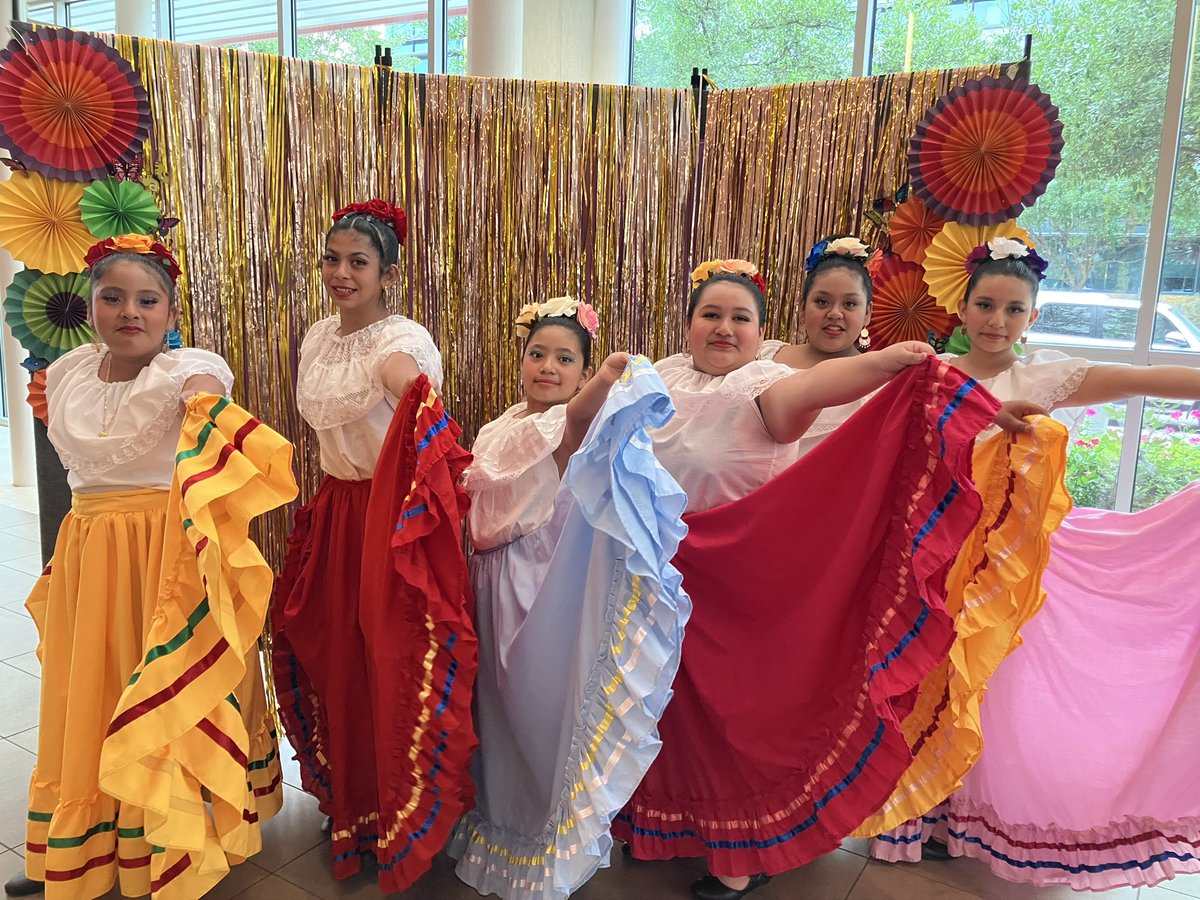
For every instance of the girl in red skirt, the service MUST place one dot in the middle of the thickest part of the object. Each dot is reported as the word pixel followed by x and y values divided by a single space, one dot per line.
pixel 356 368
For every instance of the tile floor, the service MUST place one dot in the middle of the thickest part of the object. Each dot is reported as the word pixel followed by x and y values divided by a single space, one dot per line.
pixel 294 864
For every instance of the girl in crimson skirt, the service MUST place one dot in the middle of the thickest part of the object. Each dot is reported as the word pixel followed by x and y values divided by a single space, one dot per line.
pixel 388 771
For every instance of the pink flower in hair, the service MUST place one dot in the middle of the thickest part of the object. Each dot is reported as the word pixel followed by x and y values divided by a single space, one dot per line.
pixel 586 316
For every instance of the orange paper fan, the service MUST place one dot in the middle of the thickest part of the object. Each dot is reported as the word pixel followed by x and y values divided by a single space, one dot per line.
pixel 912 229
pixel 37 396
pixel 902 309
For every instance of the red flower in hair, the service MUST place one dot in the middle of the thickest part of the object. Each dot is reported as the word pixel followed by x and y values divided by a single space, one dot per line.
pixel 759 282
pixel 392 216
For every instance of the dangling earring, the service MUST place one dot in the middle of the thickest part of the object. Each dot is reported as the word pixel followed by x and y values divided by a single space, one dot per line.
pixel 166 343
pixel 1024 339
pixel 803 337
pixel 864 340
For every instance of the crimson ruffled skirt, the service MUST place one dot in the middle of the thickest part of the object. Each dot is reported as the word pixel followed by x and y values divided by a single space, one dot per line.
pixel 375 653
pixel 819 606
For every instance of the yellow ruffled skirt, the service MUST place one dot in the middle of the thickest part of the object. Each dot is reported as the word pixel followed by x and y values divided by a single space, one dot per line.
pixel 992 591
pixel 157 754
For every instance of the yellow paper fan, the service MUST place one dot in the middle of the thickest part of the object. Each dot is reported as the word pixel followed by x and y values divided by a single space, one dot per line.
pixel 944 260
pixel 41 225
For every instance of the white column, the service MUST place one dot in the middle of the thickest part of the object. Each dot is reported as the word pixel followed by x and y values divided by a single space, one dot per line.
pixel 558 40
pixel 136 17
pixel 612 39
pixel 16 379
pixel 495 38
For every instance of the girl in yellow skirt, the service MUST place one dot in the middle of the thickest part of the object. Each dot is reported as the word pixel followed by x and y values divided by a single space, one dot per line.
pixel 156 754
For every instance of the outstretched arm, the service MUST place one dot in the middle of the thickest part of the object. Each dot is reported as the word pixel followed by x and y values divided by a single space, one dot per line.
pixel 791 405
pixel 1107 384
pixel 582 408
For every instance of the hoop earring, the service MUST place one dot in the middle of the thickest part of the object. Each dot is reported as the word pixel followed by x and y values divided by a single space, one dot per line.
pixel 864 340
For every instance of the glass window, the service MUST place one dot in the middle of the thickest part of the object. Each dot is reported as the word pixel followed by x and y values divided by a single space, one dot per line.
pixel 92 15
pixel 1064 320
pixel 1094 455
pixel 42 13
pixel 245 24
pixel 347 32
pixel 1091 223
pixel 742 43
pixel 1119 323
pixel 456 38
pixel 1168 450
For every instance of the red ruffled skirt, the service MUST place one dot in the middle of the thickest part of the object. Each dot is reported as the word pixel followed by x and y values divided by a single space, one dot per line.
pixel 375 652
pixel 819 606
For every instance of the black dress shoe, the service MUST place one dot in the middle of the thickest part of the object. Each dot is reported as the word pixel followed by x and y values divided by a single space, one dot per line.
pixel 20 886
pixel 710 888
pixel 935 850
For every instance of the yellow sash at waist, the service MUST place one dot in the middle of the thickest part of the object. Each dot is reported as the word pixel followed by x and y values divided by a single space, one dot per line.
pixel 103 502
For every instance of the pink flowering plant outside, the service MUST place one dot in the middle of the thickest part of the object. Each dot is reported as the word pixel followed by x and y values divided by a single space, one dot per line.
pixel 1169 455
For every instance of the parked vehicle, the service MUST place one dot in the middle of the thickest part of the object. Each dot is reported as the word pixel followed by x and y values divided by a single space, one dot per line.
pixel 1088 319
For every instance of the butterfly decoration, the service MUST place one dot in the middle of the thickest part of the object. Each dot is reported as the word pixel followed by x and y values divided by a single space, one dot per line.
pixel 883 207
pixel 34 364
pixel 122 170
pixel 937 343
pixel 165 224
pixel 14 165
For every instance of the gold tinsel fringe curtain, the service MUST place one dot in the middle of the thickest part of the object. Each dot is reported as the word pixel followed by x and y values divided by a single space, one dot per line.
pixel 515 191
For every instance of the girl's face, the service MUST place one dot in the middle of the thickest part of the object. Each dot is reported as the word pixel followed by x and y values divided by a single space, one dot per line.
pixel 997 312
pixel 131 311
pixel 352 273
pixel 836 311
pixel 724 332
pixel 552 369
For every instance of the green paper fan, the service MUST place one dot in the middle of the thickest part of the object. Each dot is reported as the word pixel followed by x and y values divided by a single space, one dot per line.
pixel 48 313
pixel 110 208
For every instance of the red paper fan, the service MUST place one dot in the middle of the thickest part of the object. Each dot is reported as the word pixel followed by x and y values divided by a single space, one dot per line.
pixel 986 150
pixel 70 105
pixel 912 229
pixel 902 309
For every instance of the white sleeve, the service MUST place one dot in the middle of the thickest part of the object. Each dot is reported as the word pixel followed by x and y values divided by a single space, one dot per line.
pixel 406 336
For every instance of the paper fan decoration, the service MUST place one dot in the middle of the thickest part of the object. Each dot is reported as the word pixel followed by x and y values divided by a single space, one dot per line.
pixel 912 229
pixel 986 151
pixel 48 313
pixel 110 208
pixel 69 104
pixel 945 271
pixel 901 309
pixel 37 396
pixel 40 223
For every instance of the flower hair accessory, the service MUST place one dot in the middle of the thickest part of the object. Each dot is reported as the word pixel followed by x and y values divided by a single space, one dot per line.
pixel 140 244
pixel 558 307
pixel 390 215
pixel 849 247
pixel 1006 248
pixel 708 269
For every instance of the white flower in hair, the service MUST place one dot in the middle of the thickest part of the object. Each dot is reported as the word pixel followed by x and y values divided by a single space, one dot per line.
pixel 1006 248
pixel 558 306
pixel 847 246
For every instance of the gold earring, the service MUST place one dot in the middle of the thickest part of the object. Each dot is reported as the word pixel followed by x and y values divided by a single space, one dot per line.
pixel 864 340
pixel 803 336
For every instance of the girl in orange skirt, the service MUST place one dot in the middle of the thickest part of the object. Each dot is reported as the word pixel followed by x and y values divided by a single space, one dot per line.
pixel 152 702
